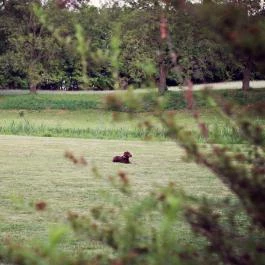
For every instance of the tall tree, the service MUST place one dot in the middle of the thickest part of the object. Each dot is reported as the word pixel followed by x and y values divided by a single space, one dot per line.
pixel 29 44
pixel 142 42
pixel 241 24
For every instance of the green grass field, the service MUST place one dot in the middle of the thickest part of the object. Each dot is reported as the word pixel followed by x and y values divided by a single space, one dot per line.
pixel 34 168
pixel 86 116
pixel 172 100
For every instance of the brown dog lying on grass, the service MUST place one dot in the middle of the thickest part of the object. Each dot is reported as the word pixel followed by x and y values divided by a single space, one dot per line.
pixel 123 159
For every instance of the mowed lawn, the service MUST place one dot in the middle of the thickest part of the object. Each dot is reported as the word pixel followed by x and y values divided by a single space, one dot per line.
pixel 34 168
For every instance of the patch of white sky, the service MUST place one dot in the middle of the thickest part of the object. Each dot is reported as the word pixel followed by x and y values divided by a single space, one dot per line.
pixel 99 3
pixel 96 2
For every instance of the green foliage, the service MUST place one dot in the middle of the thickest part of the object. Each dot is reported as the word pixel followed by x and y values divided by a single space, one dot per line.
pixel 242 170
pixel 124 39
pixel 101 82
pixel 28 55
pixel 241 26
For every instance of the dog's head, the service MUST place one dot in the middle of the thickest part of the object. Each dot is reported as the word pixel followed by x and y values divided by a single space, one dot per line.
pixel 127 154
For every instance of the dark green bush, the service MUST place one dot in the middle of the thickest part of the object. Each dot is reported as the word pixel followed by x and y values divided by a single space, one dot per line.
pixel 101 82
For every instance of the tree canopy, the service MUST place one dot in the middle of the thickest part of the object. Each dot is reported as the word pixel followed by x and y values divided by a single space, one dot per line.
pixel 207 42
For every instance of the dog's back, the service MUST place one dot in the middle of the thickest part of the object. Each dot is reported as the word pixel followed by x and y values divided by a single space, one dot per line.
pixel 116 159
pixel 122 159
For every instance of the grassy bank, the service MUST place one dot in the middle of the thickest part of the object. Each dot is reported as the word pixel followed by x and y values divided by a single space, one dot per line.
pixel 172 100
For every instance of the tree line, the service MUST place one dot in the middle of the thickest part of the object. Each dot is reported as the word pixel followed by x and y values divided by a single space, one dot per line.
pixel 202 42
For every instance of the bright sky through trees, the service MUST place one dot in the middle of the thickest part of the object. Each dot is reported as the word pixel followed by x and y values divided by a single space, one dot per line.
pixel 97 2
pixel 100 2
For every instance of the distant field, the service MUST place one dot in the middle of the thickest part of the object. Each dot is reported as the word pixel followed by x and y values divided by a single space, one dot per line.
pixel 173 100
pixel 87 116
pixel 34 168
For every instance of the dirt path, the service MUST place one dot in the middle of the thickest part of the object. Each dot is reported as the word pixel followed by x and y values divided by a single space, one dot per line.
pixel 226 85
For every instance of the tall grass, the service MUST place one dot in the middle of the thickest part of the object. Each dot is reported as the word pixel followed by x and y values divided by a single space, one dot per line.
pixel 219 132
pixel 29 129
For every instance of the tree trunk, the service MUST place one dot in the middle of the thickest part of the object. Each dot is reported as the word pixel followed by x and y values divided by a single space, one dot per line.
pixel 162 78
pixel 246 76
pixel 33 88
